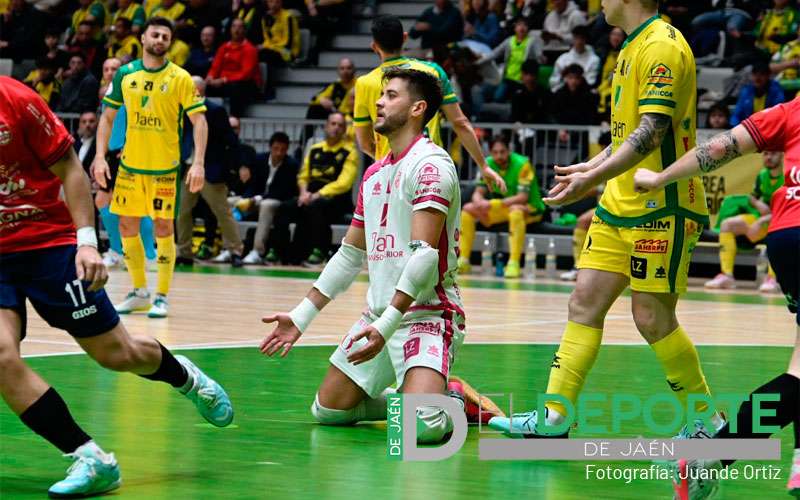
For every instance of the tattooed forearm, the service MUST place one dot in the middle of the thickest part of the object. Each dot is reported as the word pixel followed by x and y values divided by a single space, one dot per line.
pixel 607 152
pixel 717 151
pixel 650 132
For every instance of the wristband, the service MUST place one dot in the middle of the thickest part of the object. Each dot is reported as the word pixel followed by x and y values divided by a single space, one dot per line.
pixel 87 237
pixel 388 322
pixel 303 314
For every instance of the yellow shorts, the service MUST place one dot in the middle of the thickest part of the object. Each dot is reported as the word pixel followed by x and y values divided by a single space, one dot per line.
pixel 499 213
pixel 655 255
pixel 140 195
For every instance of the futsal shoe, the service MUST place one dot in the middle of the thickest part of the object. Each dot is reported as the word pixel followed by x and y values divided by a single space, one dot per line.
pixel 92 473
pixel 112 259
pixel 688 481
pixel 512 270
pixel 479 408
pixel 252 258
pixel 721 282
pixel 208 396
pixel 160 307
pixel 571 275
pixel 769 285
pixel 523 425
pixel 137 300
pixel 794 476
pixel 464 267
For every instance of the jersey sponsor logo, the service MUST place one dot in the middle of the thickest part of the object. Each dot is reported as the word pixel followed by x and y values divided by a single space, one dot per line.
pixel 793 193
pixel 17 188
pixel 42 119
pixel 794 175
pixel 618 130
pixel 426 327
pixel 158 203
pixel 434 351
pixel 411 348
pixel 638 268
pixel 83 313
pixel 147 121
pixel 661 272
pixel 5 135
pixel 383 247
pixel 657 225
pixel 660 76
pixel 651 246
pixel 12 216
pixel 165 192
pixel 429 175
pixel 692 191
pixel 376 189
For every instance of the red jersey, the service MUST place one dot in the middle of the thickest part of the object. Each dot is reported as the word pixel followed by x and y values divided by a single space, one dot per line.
pixel 778 129
pixel 32 139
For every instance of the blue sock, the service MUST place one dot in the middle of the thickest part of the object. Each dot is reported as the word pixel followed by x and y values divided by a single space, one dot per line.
pixel 148 240
pixel 111 223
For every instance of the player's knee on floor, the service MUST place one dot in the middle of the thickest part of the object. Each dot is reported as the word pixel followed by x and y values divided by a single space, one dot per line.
pixel 330 416
pixel 433 425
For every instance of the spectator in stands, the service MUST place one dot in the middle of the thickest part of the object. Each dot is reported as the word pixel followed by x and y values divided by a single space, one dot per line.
pixel 85 144
pixel 234 72
pixel 533 11
pixel 251 12
pixel 133 11
pixel 52 52
pixel 559 23
pixel 325 19
pixel 785 63
pixel 482 26
pixel 608 58
pixel 521 205
pixel 530 103
pixel 762 92
pixel 574 103
pixel 681 12
pixel 325 182
pixel 734 17
pixel 438 25
pixel 43 80
pixel 281 45
pixel 124 45
pixel 79 90
pixel 110 67
pixel 179 49
pixel 83 42
pixel 200 13
pixel 719 117
pixel 245 154
pixel 20 32
pixel 201 57
pixel 332 97
pixel 170 9
pixel 581 54
pixel 221 145
pixel 777 26
pixel 93 11
pixel 278 186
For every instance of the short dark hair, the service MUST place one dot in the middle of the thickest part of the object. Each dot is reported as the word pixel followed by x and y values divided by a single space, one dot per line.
pixel 387 32
pixel 86 22
pixel 125 21
pixel 761 68
pixel 531 67
pixel 46 63
pixel 581 31
pixel 79 55
pixel 279 137
pixel 574 69
pixel 521 19
pixel 499 138
pixel 422 86
pixel 159 21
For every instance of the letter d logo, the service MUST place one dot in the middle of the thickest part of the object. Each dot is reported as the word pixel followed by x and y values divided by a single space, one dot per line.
pixel 403 408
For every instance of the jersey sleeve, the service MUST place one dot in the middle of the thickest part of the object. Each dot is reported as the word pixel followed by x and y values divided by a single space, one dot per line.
pixel 661 71
pixel 361 115
pixel 433 183
pixel 44 133
pixel 448 94
pixel 191 100
pixel 113 98
pixel 767 128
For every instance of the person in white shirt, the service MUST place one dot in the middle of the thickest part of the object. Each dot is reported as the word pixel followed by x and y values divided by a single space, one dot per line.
pixel 581 54
pixel 559 23
pixel 404 228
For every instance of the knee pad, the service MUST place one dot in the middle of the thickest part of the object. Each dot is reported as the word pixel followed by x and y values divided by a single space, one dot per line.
pixel 328 416
pixel 433 424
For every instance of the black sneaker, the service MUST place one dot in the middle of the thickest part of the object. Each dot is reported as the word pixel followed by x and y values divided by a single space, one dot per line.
pixel 236 260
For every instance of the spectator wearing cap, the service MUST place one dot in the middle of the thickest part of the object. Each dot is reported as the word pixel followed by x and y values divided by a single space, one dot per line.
pixel 234 72
pixel 581 54
pixel 762 92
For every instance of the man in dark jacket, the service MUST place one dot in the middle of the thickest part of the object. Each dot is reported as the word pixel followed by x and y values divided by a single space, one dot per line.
pixel 222 142
pixel 530 103
pixel 439 25
pixel 21 32
pixel 79 91
pixel 280 186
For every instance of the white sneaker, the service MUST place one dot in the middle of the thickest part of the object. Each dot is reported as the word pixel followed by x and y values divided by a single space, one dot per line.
pixel 223 257
pixel 721 281
pixel 137 300
pixel 253 258
pixel 160 307
pixel 571 275
pixel 112 259
pixel 769 285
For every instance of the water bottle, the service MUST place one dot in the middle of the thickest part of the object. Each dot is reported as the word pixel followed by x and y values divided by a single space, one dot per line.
pixel 530 258
pixel 762 264
pixel 550 259
pixel 499 266
pixel 486 257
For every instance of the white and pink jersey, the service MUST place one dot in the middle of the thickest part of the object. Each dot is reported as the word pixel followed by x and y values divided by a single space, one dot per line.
pixel 392 189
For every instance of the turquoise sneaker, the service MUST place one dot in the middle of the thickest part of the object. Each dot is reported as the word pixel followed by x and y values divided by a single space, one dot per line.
pixel 90 474
pixel 688 482
pixel 208 396
pixel 522 425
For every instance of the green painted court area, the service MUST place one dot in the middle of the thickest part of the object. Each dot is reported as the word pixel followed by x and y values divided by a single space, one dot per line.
pixel 274 450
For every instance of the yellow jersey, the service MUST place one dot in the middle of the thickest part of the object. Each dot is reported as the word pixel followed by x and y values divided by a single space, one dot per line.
pixel 125 50
pixel 134 12
pixel 173 13
pixel 329 170
pixel 179 52
pixel 97 10
pixel 155 101
pixel 368 91
pixel 655 74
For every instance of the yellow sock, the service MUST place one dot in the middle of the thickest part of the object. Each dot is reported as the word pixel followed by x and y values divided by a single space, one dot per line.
pixel 467 237
pixel 578 239
pixel 680 361
pixel 727 252
pixel 572 363
pixel 165 262
pixel 516 234
pixel 133 249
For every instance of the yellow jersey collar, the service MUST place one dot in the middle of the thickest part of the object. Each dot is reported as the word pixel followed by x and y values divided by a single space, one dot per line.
pixel 639 30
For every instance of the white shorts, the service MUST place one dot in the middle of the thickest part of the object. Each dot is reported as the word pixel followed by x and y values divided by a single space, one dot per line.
pixel 429 341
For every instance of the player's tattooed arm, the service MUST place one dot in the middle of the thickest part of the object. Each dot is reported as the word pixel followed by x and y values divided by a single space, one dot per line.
pixel 650 132
pixel 717 151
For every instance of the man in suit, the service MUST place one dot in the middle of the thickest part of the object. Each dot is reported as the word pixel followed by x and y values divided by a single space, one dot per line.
pixel 85 139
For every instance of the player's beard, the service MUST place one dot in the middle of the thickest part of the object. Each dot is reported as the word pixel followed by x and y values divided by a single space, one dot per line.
pixel 392 123
pixel 154 51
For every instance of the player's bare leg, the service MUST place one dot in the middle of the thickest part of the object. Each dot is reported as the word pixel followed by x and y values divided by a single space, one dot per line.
pixel 139 298
pixel 340 401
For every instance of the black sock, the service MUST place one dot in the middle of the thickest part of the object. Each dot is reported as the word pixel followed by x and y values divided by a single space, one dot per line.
pixel 49 417
pixel 786 410
pixel 169 371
